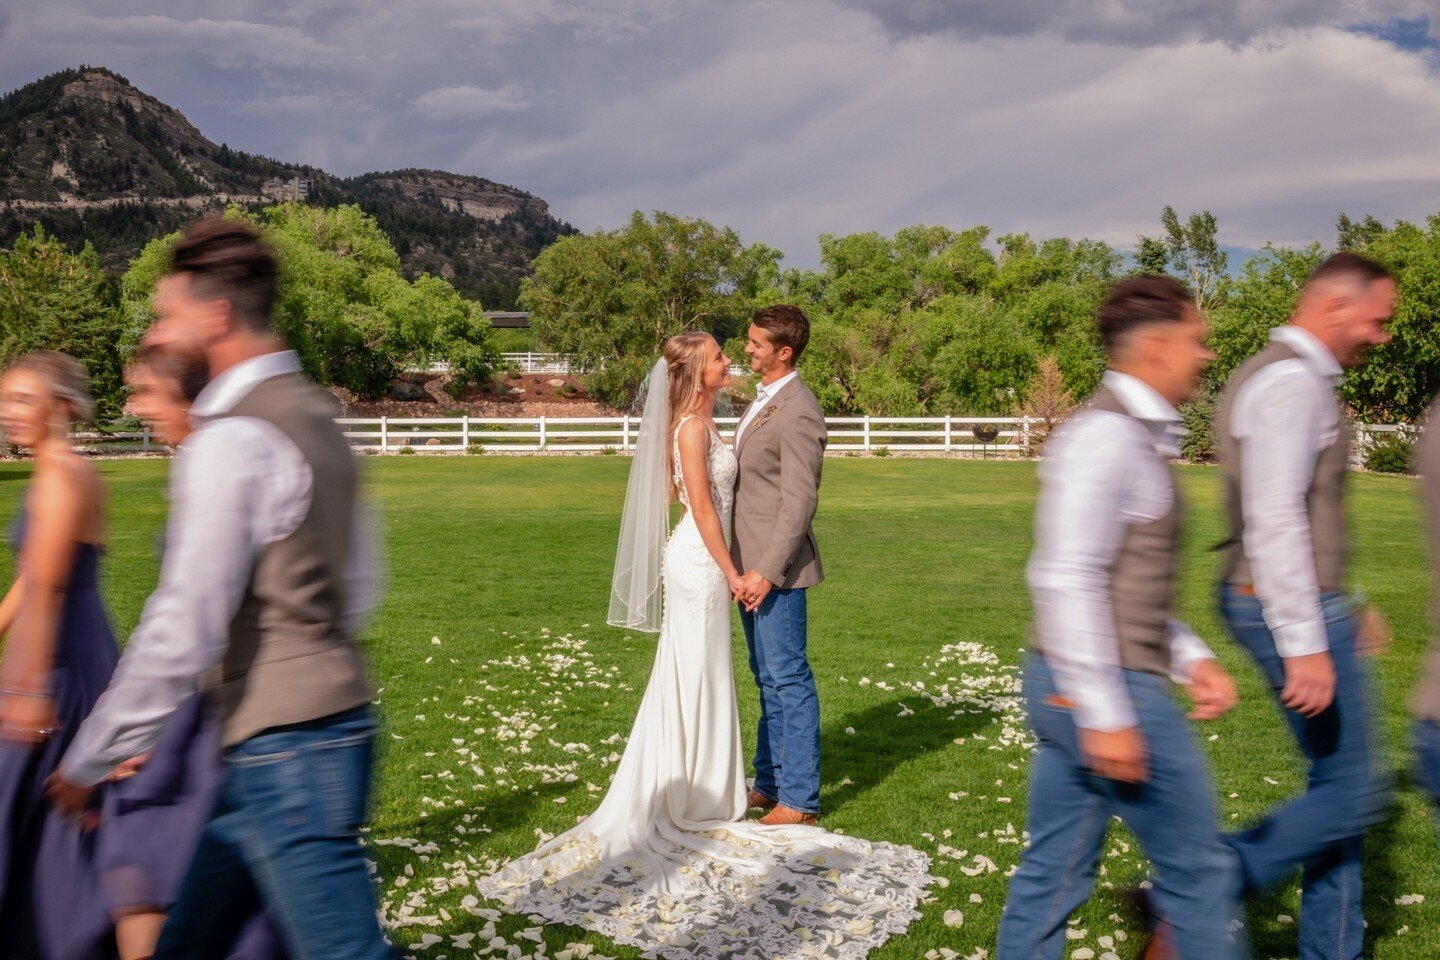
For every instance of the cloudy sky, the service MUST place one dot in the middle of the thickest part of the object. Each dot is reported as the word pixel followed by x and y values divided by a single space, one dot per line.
pixel 789 118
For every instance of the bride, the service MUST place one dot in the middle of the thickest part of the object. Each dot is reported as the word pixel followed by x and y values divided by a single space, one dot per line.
pixel 668 863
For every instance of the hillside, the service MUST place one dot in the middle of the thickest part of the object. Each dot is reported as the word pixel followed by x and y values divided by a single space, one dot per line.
pixel 91 157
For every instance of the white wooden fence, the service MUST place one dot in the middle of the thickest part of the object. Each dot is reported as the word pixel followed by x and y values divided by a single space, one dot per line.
pixel 618 434
pixel 874 435
pixel 538 362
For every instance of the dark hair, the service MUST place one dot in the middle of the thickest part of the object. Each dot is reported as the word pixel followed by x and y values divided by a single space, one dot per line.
pixel 190 374
pixel 1350 266
pixel 1137 301
pixel 227 260
pixel 787 326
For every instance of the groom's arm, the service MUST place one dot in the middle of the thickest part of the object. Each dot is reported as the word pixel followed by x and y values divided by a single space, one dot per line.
pixel 802 451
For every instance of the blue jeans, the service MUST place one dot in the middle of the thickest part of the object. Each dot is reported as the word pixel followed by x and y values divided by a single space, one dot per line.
pixel 787 748
pixel 1323 829
pixel 1172 814
pixel 1427 757
pixel 286 834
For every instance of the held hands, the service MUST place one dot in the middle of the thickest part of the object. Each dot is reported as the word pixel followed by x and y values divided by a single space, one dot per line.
pixel 1309 683
pixel 1212 691
pixel 750 590
pixel 71 800
pixel 1115 754
pixel 737 585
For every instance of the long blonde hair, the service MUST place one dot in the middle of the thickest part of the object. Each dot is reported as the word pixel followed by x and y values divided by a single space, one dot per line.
pixel 685 361
pixel 65 378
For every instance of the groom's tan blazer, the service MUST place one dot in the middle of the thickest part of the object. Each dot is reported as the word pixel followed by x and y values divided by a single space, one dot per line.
pixel 778 488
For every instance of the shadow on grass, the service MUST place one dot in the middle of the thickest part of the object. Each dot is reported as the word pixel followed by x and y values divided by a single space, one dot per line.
pixel 882 741
pixel 501 812
pixel 1382 884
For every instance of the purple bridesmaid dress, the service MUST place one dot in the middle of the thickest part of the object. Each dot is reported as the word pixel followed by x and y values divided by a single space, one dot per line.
pixel 51 907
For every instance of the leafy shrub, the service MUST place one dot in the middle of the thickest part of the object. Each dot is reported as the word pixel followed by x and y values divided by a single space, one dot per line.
pixel 476 449
pixel 881 451
pixel 1391 453
pixel 1198 418
pixel 407 451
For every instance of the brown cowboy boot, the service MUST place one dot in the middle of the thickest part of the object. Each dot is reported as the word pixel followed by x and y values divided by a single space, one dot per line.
pixel 783 816
pixel 755 800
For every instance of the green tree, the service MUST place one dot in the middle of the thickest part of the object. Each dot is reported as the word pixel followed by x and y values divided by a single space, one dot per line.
pixel 54 299
pixel 611 298
pixel 984 361
pixel 1191 251
pixel 1399 379
pixel 344 306
pixel 1261 298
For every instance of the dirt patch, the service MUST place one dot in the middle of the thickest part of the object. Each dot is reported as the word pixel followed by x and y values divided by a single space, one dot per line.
pixel 520 395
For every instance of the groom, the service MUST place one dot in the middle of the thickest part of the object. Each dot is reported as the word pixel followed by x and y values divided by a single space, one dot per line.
pixel 779 444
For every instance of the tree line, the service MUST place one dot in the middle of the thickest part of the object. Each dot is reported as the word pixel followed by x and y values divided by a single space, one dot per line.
pixel 927 321
pixel 344 305
pixel 936 321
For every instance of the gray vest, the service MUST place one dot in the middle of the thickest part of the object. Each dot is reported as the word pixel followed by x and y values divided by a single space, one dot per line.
pixel 1324 501
pixel 1142 577
pixel 1427 700
pixel 289 659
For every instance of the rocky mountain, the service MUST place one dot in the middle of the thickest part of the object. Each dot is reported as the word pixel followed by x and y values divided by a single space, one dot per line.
pixel 91 157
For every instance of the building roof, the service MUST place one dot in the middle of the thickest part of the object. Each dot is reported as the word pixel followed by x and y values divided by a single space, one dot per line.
pixel 508 318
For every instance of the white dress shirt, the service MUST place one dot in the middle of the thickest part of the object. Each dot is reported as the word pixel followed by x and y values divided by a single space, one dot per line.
pixel 763 393
pixel 1100 474
pixel 1282 417
pixel 236 485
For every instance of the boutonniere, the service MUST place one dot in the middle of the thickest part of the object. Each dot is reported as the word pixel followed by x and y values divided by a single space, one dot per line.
pixel 766 414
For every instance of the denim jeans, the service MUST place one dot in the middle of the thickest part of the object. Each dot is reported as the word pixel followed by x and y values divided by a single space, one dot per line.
pixel 1172 813
pixel 285 834
pixel 1323 829
pixel 1427 757
pixel 787 748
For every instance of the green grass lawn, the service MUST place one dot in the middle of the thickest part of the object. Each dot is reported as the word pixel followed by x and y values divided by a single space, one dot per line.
pixel 504 694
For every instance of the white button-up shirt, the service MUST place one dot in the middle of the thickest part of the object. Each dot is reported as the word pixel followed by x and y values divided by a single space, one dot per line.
pixel 1100 474
pixel 1282 417
pixel 763 393
pixel 236 485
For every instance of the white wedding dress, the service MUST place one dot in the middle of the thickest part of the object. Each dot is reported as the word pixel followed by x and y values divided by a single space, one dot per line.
pixel 668 863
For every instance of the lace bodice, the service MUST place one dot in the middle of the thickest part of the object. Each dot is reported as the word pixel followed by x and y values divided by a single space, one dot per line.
pixel 721 466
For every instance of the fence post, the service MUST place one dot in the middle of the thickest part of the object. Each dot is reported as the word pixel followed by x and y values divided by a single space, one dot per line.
pixel 949 434
pixel 867 433
pixel 465 432
pixel 145 438
pixel 384 435
pixel 1024 436
pixel 542 433
pixel 625 434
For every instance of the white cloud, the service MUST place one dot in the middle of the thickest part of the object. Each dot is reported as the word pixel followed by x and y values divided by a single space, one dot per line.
pixel 789 118
pixel 470 103
pixel 509 21
pixel 1136 22
pixel 795 132
pixel 226 42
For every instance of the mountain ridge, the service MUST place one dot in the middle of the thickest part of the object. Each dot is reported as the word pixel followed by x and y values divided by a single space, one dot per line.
pixel 91 157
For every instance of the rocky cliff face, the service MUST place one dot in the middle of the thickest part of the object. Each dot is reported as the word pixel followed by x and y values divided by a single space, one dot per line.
pixel 93 158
